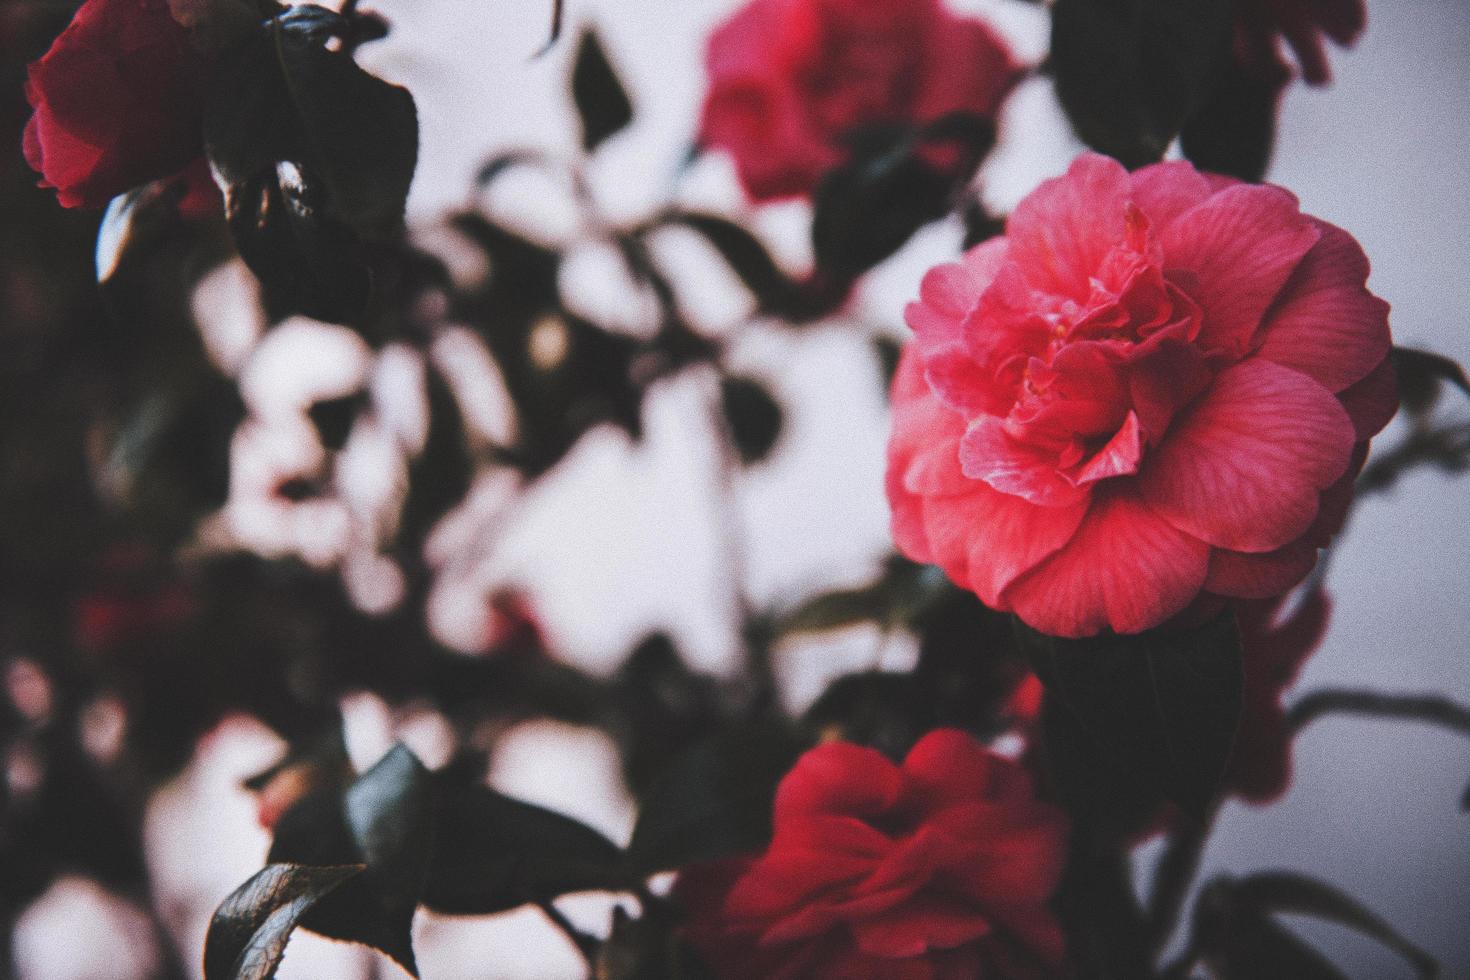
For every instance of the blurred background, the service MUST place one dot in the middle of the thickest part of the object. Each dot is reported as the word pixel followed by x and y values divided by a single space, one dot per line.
pixel 623 538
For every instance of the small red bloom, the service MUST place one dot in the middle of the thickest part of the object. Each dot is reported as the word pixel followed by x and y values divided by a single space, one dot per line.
pixel 1155 386
pixel 789 80
pixel 117 101
pixel 939 868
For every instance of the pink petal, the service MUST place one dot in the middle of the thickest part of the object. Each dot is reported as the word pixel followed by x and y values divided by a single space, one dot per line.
pixel 951 767
pixel 985 539
pixel 1119 457
pixel 1260 576
pixel 841 779
pixel 1061 233
pixel 1126 569
pixel 919 925
pixel 1326 324
pixel 990 453
pixel 1243 467
pixel 1233 254
pixel 1166 190
pixel 1372 402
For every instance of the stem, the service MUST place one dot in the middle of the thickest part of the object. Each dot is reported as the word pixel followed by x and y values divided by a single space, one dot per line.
pixel 757 645
pixel 586 945
pixel 1172 878
pixel 1430 708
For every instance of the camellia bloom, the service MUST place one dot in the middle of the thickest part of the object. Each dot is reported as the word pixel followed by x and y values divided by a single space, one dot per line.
pixel 1305 24
pixel 939 868
pixel 1153 386
pixel 791 80
pixel 117 101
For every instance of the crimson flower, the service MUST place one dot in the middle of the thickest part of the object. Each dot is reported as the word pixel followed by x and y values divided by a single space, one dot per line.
pixel 117 100
pixel 938 868
pixel 791 80
pixel 1153 386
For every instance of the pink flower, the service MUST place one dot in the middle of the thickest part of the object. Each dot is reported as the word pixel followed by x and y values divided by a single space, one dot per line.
pixel 790 80
pixel 939 868
pixel 1153 386
pixel 117 102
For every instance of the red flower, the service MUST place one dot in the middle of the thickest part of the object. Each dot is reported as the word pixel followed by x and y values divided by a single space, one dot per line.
pixel 1154 385
pixel 1274 651
pixel 1303 23
pixel 118 101
pixel 790 79
pixel 940 868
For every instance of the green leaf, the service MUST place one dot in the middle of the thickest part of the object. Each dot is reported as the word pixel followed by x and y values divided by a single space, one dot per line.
pixel 602 104
pixel 745 255
pixel 903 592
pixel 866 209
pixel 493 853
pixel 315 156
pixel 1285 891
pixel 753 416
pixel 249 931
pixel 1422 375
pixel 385 821
pixel 714 801
pixel 1234 130
pixel 333 418
pixel 440 476
pixel 1162 705
pixel 1130 72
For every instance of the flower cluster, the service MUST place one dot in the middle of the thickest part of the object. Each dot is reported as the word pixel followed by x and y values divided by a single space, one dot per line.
pixel 939 868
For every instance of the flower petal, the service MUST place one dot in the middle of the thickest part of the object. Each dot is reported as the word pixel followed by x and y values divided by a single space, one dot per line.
pixel 1233 254
pixel 1243 467
pixel 1063 230
pixel 1164 191
pixel 1326 324
pixel 1126 569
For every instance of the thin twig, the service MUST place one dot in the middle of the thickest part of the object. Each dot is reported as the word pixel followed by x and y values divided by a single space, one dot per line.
pixel 1172 877
pixel 1431 708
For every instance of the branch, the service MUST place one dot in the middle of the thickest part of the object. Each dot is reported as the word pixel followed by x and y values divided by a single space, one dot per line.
pixel 1430 708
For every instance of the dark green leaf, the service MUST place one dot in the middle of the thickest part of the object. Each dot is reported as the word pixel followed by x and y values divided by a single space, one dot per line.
pixel 1130 72
pixel 714 801
pixel 887 351
pixel 385 821
pixel 868 208
pixel 602 104
pixel 1163 705
pixel 1285 891
pixel 493 853
pixel 1422 374
pixel 650 947
pixel 753 417
pixel 746 256
pixel 440 477
pixel 1234 129
pixel 903 592
pixel 248 934
pixel 316 157
pixel 1241 942
pixel 333 418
